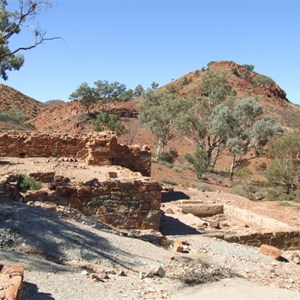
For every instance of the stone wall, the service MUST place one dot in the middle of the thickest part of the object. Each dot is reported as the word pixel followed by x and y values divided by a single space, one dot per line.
pixel 122 204
pixel 11 282
pixel 285 240
pixel 96 149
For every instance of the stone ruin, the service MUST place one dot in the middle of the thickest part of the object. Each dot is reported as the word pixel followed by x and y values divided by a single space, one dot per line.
pixel 111 181
pixel 96 149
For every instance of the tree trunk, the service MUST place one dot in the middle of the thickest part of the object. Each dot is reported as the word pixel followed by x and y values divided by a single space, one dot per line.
pixel 232 168
pixel 160 148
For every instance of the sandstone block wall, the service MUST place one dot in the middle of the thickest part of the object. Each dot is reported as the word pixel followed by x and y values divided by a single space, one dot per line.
pixel 285 240
pixel 96 149
pixel 11 282
pixel 128 205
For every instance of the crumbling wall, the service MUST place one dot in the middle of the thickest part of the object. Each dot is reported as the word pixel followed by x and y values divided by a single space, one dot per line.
pixel 96 149
pixel 121 204
pixel 11 282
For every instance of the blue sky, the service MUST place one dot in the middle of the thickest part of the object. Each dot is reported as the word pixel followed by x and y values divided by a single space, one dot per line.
pixel 138 42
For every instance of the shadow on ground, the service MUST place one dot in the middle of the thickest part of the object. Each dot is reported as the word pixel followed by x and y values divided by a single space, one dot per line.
pixel 40 232
pixel 30 291
pixel 173 196
pixel 172 226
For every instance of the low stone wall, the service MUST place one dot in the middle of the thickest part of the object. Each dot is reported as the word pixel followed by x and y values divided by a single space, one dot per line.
pixel 121 204
pixel 285 240
pixel 97 149
pixel 11 282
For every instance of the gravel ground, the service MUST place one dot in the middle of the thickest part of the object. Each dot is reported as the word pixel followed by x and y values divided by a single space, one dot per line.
pixel 74 258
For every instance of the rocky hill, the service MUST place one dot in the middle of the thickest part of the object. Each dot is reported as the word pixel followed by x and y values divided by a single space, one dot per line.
pixel 11 98
pixel 245 83
pixel 16 108
pixel 71 116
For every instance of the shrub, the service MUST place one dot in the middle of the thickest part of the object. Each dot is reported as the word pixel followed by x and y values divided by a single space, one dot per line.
pixel 13 115
pixel 210 63
pixel 168 157
pixel 250 68
pixel 169 181
pixel 172 88
pixel 109 121
pixel 198 161
pixel 235 72
pixel 186 81
pixel 205 188
pixel 28 183
pixel 262 80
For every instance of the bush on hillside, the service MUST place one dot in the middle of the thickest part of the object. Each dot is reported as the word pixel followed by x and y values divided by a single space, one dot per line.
pixel 262 80
pixel 13 115
pixel 168 157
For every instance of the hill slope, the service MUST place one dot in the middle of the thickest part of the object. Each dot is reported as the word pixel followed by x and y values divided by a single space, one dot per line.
pixel 16 108
pixel 11 98
pixel 245 83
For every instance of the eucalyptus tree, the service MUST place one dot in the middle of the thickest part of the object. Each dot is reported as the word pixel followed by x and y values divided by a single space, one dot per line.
pixel 160 111
pixel 12 24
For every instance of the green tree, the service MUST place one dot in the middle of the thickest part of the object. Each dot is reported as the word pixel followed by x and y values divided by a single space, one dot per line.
pixel 103 92
pixel 210 63
pixel 86 95
pixel 213 90
pixel 138 91
pixel 198 161
pixel 284 171
pixel 12 23
pixel 250 68
pixel 109 121
pixel 242 128
pixel 154 85
pixel 160 110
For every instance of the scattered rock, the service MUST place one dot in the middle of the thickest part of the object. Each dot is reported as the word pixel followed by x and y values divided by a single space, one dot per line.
pixel 181 246
pixel 169 211
pixel 215 224
pixel 158 271
pixel 270 251
pixel 122 273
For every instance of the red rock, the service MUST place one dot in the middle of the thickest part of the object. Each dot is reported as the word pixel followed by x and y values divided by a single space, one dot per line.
pixel 270 251
pixel 180 246
pixel 215 224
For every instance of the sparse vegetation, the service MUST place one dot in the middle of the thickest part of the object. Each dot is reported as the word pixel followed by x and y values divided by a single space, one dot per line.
pixel 186 81
pixel 262 80
pixel 169 181
pixel 28 183
pixel 249 68
pixel 13 115
pixel 103 92
pixel 54 102
pixel 169 156
pixel 108 121
pixel 198 161
pixel 210 63
pixel 284 171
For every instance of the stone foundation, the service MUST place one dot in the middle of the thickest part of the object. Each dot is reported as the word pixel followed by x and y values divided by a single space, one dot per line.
pixel 96 149
pixel 123 204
